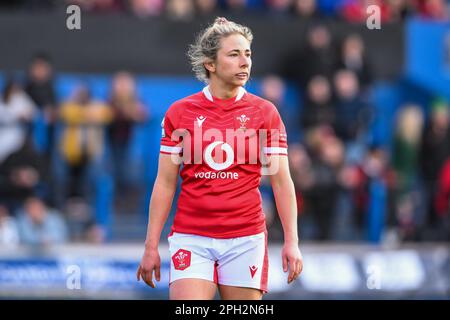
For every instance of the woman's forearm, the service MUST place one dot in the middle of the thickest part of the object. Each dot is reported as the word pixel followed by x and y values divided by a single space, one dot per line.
pixel 284 193
pixel 160 204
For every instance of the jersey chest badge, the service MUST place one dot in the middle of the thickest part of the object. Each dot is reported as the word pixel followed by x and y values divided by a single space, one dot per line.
pixel 242 122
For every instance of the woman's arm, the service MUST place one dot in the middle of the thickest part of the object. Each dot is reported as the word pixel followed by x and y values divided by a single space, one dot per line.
pixel 284 192
pixel 160 204
pixel 161 199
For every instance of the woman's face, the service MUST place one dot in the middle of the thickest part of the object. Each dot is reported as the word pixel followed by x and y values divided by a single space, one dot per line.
pixel 233 63
pixel 123 85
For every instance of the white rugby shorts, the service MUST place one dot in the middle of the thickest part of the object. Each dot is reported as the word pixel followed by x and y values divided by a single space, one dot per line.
pixel 240 262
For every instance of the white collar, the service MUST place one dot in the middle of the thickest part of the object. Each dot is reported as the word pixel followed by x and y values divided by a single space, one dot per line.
pixel 209 96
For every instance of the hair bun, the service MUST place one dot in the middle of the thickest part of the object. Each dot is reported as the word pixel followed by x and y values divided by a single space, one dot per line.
pixel 221 20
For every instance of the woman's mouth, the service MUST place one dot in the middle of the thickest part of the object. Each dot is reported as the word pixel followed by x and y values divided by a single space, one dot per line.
pixel 242 75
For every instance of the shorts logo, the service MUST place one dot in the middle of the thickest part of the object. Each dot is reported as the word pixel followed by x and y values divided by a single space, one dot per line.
pixel 253 270
pixel 181 259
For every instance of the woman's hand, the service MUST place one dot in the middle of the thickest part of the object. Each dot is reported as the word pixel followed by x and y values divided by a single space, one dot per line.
pixel 292 260
pixel 151 262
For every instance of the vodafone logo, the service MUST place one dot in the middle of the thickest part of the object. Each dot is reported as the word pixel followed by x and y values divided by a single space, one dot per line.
pixel 229 156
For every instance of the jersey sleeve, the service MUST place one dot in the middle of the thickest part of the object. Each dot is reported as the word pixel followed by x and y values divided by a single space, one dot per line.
pixel 275 142
pixel 171 142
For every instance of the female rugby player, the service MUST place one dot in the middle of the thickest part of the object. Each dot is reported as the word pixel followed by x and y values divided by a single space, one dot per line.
pixel 223 139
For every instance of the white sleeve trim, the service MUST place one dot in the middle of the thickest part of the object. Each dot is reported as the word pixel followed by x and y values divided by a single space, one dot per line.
pixel 171 149
pixel 272 150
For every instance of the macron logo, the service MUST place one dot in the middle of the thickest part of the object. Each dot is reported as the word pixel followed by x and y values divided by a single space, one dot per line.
pixel 200 120
pixel 253 270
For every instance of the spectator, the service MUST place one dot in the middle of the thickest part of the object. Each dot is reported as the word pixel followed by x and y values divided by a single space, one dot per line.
pixel 376 168
pixel 279 8
pixel 206 7
pixel 353 57
pixel 300 164
pixel 16 114
pixel 40 225
pixel 79 216
pixel 433 9
pixel 21 174
pixel 9 235
pixel 146 8
pixel 400 9
pixel 442 203
pixel 434 151
pixel 127 112
pixel 273 89
pixel 351 111
pixel 306 9
pixel 302 176
pixel 355 11
pixel 95 234
pixel 327 155
pixel 40 88
pixel 81 222
pixel 40 84
pixel 235 6
pixel 318 57
pixel 351 203
pixel 318 106
pixel 180 10
pixel 407 216
pixel 82 140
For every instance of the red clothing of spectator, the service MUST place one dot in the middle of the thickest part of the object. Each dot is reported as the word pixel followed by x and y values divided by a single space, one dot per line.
pixel 432 9
pixel 356 10
pixel 442 201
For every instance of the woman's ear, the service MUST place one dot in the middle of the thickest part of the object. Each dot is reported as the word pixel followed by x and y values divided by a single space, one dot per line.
pixel 210 66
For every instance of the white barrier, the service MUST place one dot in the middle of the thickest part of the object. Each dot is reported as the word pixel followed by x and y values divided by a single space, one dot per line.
pixel 330 271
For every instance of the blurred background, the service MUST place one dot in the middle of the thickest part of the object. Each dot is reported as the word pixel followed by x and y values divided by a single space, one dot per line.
pixel 368 121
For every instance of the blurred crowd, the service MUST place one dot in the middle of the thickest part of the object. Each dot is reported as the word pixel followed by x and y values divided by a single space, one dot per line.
pixel 337 165
pixel 37 205
pixel 185 10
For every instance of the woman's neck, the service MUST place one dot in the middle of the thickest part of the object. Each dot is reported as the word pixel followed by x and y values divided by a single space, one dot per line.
pixel 221 91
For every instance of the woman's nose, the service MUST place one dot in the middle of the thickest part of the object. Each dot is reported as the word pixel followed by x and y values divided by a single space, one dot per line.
pixel 244 61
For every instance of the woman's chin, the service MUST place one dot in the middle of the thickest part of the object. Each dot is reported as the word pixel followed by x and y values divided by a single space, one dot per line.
pixel 240 83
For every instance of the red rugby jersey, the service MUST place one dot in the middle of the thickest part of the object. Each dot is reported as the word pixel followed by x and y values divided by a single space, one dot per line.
pixel 220 142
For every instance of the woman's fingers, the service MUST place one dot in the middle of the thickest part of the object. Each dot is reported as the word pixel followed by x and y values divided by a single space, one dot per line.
pixel 291 271
pixel 138 273
pixel 149 277
pixel 158 273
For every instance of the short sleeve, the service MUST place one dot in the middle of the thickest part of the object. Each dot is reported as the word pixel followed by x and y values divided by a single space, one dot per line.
pixel 275 142
pixel 171 142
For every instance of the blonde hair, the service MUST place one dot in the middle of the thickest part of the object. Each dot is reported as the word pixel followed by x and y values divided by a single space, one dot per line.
pixel 410 123
pixel 207 43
